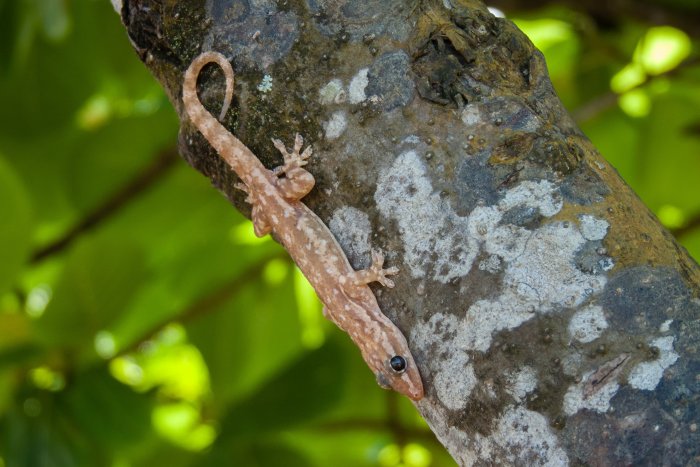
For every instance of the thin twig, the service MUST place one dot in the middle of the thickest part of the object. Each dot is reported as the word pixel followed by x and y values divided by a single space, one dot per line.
pixel 209 302
pixel 608 99
pixel 139 184
pixel 393 420
pixel 688 227
pixel 614 12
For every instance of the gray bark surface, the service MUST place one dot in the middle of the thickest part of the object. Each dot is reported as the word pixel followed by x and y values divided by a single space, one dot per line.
pixel 553 319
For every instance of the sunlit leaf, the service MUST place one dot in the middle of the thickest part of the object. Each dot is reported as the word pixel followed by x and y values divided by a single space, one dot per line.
pixel 15 225
pixel 635 103
pixel 629 77
pixel 180 423
pixel 662 49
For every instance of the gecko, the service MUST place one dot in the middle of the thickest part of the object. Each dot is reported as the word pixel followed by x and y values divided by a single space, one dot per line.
pixel 275 196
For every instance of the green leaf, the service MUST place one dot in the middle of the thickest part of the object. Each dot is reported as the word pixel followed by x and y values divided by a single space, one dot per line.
pixel 104 160
pixel 256 454
pixel 32 436
pixel 15 225
pixel 668 151
pixel 246 340
pixel 301 392
pixel 109 414
pixel 19 355
pixel 100 277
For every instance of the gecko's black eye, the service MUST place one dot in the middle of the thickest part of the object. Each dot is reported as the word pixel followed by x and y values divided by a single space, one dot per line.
pixel 398 363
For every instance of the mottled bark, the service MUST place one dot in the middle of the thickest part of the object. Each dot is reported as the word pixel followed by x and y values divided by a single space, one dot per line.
pixel 553 319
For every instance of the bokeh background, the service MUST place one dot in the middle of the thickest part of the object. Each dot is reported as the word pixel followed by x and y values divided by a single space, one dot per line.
pixel 142 323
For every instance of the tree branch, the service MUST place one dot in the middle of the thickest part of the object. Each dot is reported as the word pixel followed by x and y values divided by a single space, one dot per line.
pixel 686 229
pixel 685 17
pixel 148 177
pixel 208 302
pixel 605 101
pixel 546 308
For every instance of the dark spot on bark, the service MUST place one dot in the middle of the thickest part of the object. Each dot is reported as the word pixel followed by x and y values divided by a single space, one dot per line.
pixel 639 299
pixel 556 155
pixel 263 35
pixel 523 216
pixel 512 149
pixel 388 78
pixel 679 392
pixel 361 21
pixel 588 258
pixel 584 187
pixel 474 184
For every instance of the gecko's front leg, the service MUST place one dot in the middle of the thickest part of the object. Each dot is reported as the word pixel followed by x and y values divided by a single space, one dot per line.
pixel 294 182
pixel 261 226
pixel 375 273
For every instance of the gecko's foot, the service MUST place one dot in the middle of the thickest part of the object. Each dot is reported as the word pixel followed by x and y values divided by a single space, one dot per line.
pixel 293 159
pixel 353 282
pixel 377 273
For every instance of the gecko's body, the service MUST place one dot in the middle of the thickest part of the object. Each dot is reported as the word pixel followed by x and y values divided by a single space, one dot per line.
pixel 275 197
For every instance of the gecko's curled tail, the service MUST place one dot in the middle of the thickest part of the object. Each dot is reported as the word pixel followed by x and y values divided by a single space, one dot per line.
pixel 190 82
pixel 230 148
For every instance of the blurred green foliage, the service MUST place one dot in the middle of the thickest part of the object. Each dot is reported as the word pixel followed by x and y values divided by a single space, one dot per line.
pixel 141 323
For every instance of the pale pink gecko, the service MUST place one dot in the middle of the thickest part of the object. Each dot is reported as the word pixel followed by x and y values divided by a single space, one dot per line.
pixel 276 207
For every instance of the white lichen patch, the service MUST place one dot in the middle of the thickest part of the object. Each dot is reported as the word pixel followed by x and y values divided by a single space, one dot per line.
pixel 440 245
pixel 471 115
pixel 520 436
pixel 506 241
pixel 411 139
pixel 593 228
pixel 336 125
pixel 666 326
pixel 543 196
pixel 454 387
pixel 492 264
pixel 526 439
pixel 576 397
pixel 454 374
pixel 330 93
pixel 521 382
pixel 266 84
pixel 554 278
pixel 439 324
pixel 534 280
pixel 571 363
pixel 356 89
pixel 606 264
pixel 587 324
pixel 352 229
pixel 647 375
pixel 433 235
pixel 485 317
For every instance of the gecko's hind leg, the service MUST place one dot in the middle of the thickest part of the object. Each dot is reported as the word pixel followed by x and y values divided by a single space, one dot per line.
pixel 297 182
pixel 375 273
pixel 261 226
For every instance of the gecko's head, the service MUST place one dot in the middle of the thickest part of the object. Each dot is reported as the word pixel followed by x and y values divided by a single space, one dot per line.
pixel 395 369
